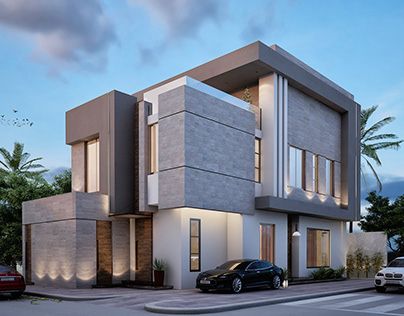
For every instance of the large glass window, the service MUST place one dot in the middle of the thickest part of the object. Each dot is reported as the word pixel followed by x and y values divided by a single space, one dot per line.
pixel 154 149
pixel 295 167
pixel 318 248
pixel 315 174
pixel 257 160
pixel 329 177
pixel 195 245
pixel 267 242
pixel 93 165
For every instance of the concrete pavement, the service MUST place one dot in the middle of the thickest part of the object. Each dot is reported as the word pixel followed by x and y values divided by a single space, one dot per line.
pixel 193 301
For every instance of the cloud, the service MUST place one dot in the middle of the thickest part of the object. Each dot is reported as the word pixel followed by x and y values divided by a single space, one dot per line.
pixel 259 23
pixel 181 18
pixel 67 31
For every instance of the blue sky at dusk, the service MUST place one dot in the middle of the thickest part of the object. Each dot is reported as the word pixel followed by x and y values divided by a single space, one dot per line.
pixel 56 55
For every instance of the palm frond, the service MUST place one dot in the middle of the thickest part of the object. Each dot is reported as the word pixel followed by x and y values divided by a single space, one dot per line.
pixel 6 155
pixel 377 126
pixel 29 163
pixel 380 136
pixel 369 151
pixel 386 145
pixel 379 183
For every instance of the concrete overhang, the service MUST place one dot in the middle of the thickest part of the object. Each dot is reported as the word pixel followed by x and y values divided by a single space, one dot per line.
pixel 295 207
pixel 244 66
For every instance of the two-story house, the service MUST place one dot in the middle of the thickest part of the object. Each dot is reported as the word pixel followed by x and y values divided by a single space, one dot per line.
pixel 188 172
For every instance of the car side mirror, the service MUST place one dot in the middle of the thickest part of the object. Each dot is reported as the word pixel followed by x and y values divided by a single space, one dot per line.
pixel 384 266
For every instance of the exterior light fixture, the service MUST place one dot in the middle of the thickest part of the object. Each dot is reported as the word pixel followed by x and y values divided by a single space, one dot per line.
pixel 296 233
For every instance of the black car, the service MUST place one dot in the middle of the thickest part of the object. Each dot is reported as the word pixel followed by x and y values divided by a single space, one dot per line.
pixel 237 275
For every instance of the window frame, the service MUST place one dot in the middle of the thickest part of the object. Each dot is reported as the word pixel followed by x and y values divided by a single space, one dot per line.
pixel 95 140
pixel 257 154
pixel 307 248
pixel 295 173
pixel 198 220
pixel 153 148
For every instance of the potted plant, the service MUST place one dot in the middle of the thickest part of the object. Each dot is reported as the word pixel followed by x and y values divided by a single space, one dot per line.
pixel 159 266
pixel 285 276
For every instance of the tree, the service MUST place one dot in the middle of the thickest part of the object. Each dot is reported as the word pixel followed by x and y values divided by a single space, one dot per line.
pixel 19 162
pixel 372 142
pixel 62 183
pixel 16 188
pixel 386 216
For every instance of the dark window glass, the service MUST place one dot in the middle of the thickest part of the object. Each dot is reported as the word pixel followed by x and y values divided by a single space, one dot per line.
pixel 195 245
pixel 397 263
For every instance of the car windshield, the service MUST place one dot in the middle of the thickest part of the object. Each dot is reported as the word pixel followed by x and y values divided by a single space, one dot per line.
pixel 6 269
pixel 397 263
pixel 231 265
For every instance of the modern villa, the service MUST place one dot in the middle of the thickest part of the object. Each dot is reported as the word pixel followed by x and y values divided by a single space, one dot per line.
pixel 251 155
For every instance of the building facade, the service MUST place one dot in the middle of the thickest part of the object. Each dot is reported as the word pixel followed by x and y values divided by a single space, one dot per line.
pixel 251 155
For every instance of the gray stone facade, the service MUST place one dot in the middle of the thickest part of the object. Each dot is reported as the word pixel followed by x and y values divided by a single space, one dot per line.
pixel 63 234
pixel 206 152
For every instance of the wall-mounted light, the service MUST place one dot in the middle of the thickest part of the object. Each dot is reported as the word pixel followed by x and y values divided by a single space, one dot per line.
pixel 296 233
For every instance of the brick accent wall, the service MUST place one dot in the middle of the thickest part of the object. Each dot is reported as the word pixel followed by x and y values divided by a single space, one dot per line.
pixel 104 253
pixel 144 242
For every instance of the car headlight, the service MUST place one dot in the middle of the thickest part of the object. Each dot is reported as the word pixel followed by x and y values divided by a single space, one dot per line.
pixel 379 274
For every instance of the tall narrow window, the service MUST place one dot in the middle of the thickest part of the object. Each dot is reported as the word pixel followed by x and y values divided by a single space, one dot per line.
pixel 257 160
pixel 154 149
pixel 318 248
pixel 329 175
pixel 195 245
pixel 93 165
pixel 295 167
pixel 267 242
pixel 315 174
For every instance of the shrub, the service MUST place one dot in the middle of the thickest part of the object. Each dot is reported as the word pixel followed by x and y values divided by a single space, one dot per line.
pixel 359 261
pixel 339 272
pixel 350 265
pixel 159 265
pixel 377 261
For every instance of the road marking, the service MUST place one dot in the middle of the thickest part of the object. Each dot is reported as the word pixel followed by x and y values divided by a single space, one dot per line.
pixel 321 299
pixel 358 302
pixel 384 308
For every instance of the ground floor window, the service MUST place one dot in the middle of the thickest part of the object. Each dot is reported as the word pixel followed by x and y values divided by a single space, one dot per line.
pixel 195 245
pixel 318 248
pixel 267 242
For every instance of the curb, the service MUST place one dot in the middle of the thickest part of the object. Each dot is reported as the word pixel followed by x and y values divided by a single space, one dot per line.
pixel 69 298
pixel 155 308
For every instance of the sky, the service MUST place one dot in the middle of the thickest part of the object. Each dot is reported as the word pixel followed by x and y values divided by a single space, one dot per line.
pixel 56 55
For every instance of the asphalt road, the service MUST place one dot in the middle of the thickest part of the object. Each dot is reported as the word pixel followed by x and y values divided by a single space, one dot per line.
pixel 363 303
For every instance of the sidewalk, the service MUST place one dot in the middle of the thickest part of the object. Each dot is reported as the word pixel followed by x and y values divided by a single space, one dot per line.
pixel 192 301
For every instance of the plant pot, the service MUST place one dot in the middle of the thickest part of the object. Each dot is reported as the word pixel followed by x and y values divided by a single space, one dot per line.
pixel 158 278
pixel 285 283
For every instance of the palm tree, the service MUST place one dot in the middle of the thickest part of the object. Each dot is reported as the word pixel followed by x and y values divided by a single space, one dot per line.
pixel 18 162
pixel 371 142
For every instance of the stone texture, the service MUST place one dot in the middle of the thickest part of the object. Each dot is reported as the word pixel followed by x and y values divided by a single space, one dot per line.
pixel 144 242
pixel 206 152
pixel 104 253
pixel 120 250
pixel 313 126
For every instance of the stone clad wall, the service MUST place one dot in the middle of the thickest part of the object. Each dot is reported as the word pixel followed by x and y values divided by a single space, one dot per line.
pixel 206 152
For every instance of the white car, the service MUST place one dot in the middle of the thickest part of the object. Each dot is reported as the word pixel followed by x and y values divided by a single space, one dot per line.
pixel 390 276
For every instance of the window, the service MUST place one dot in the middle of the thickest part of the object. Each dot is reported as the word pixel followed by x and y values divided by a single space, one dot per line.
pixel 195 245
pixel 93 165
pixel 257 160
pixel 267 242
pixel 318 248
pixel 154 149
pixel 329 177
pixel 315 174
pixel 295 167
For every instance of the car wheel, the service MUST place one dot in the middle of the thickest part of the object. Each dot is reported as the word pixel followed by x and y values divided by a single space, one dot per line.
pixel 237 285
pixel 276 282
pixel 380 289
pixel 16 295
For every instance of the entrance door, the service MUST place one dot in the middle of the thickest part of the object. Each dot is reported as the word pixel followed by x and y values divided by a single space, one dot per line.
pixel 104 253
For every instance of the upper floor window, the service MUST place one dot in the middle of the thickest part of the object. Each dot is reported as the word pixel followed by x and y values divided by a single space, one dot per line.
pixel 257 160
pixel 93 165
pixel 295 167
pixel 315 174
pixel 154 167
pixel 329 177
